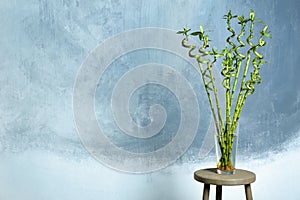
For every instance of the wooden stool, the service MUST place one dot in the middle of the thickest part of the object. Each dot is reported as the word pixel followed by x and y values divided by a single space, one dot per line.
pixel 210 176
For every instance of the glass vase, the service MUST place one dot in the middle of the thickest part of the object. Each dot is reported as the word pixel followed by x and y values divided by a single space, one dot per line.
pixel 226 150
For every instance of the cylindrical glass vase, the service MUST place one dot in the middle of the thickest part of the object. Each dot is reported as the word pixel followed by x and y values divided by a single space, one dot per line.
pixel 226 150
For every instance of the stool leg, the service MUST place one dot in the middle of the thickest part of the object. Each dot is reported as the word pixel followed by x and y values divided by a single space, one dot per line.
pixel 206 192
pixel 219 192
pixel 248 192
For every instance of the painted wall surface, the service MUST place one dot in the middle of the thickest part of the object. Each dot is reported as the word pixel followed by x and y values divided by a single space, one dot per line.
pixel 100 101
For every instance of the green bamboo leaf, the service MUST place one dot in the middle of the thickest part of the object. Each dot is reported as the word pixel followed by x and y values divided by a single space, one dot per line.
pixel 215 51
pixel 268 35
pixel 201 29
pixel 196 33
pixel 265 33
pixel 184 31
pixel 241 18
pixel 224 51
pixel 260 21
pixel 206 39
pixel 252 15
pixel 180 32
pixel 261 62
pixel 229 15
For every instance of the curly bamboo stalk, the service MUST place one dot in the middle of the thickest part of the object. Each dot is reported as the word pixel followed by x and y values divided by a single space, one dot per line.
pixel 203 75
pixel 242 93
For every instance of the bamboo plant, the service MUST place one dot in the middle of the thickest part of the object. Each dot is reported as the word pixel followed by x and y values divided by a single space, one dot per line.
pixel 241 64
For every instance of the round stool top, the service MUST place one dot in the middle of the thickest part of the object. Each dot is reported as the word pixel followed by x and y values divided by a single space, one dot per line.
pixel 210 176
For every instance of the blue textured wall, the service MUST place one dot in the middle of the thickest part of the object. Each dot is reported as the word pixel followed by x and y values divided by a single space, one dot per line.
pixel 44 45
